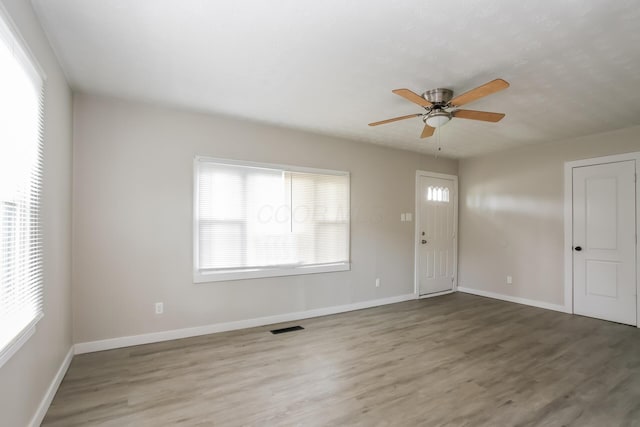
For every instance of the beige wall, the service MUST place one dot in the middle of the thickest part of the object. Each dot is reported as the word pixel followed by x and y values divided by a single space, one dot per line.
pixel 511 214
pixel 133 219
pixel 25 378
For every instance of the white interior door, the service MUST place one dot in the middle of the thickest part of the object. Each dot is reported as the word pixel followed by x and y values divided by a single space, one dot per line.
pixel 604 241
pixel 436 256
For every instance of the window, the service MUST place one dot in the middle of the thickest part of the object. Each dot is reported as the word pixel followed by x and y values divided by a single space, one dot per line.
pixel 259 220
pixel 21 102
pixel 438 194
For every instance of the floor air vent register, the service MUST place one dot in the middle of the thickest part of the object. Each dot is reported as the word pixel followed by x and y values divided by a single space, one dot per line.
pixel 289 329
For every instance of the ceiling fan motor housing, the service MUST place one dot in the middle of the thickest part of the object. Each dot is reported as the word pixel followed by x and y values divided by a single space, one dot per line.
pixel 438 96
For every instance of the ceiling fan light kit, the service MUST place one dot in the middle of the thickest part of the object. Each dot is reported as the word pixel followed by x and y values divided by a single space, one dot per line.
pixel 440 106
pixel 436 118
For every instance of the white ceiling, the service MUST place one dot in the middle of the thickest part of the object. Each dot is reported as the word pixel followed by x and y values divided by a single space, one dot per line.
pixel 329 66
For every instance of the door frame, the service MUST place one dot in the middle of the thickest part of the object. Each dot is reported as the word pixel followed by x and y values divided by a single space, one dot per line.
pixel 416 235
pixel 568 222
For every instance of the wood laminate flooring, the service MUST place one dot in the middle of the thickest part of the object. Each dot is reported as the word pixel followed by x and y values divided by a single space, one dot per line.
pixel 455 360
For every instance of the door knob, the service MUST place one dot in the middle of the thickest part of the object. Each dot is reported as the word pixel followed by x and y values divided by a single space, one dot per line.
pixel 424 242
pixel 577 248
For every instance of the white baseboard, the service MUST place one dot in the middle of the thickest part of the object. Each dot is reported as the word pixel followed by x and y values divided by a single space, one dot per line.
pixel 517 300
pixel 108 344
pixel 437 294
pixel 51 391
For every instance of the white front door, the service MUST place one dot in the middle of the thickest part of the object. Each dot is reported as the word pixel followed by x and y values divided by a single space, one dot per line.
pixel 436 234
pixel 604 241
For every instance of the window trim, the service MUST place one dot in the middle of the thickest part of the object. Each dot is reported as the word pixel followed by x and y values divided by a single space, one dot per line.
pixel 9 30
pixel 19 340
pixel 200 276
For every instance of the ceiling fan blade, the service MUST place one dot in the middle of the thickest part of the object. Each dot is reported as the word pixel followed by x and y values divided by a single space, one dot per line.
pixel 479 92
pixel 427 131
pixel 412 96
pixel 485 116
pixel 395 119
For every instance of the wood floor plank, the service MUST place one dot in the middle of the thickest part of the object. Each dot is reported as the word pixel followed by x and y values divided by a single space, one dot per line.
pixel 456 360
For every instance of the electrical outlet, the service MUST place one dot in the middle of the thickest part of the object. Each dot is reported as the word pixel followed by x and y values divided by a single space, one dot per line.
pixel 509 280
pixel 159 308
pixel 377 282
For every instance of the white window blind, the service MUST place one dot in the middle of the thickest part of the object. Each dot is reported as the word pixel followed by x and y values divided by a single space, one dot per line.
pixel 254 220
pixel 21 127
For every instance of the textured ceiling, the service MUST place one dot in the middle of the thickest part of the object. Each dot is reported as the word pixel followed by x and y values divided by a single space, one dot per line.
pixel 329 66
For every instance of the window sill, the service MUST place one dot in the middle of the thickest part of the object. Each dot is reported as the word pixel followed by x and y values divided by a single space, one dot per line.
pixel 13 347
pixel 204 277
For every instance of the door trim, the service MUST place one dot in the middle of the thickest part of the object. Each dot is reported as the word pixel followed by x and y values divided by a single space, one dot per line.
pixel 416 234
pixel 568 222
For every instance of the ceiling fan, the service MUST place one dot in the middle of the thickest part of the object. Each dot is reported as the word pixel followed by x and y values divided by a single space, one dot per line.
pixel 441 107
